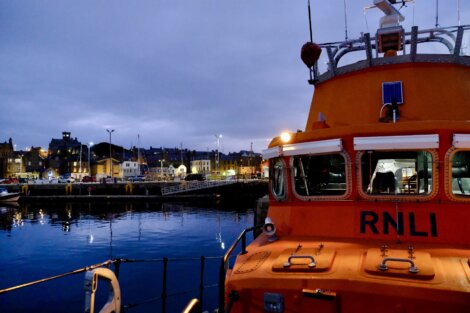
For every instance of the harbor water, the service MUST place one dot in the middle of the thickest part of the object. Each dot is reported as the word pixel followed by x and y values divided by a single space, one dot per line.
pixel 44 240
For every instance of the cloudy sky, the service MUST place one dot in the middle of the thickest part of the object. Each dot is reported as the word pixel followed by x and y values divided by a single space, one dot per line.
pixel 174 71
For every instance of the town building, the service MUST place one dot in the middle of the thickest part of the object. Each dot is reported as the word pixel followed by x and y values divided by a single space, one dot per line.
pixel 15 165
pixel 34 161
pixel 202 166
pixel 129 169
pixel 67 155
pixel 6 153
pixel 102 168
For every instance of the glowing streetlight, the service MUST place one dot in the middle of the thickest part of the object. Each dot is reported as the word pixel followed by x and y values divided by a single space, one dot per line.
pixel 161 167
pixel 110 157
pixel 90 144
pixel 217 164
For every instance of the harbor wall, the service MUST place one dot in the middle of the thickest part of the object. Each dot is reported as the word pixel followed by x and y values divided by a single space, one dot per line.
pixel 135 191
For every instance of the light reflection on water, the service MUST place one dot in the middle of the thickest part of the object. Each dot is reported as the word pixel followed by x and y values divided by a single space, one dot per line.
pixel 38 241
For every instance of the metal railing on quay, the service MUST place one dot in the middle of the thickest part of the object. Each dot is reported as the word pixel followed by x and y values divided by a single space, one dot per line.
pixel 195 185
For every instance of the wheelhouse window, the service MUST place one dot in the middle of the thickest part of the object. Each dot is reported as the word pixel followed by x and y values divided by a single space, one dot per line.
pixel 276 176
pixel 461 173
pixel 319 175
pixel 397 172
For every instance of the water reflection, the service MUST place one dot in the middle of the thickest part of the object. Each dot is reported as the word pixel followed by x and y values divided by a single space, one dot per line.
pixel 43 239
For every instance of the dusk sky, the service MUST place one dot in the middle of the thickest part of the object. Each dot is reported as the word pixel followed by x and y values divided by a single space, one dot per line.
pixel 175 71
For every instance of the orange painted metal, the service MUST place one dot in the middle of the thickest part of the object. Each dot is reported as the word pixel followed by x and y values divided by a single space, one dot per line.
pixel 352 238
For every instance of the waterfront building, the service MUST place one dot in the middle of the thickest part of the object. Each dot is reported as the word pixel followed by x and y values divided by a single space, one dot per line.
pixel 171 171
pixel 15 165
pixel 181 171
pixel 202 166
pixel 227 165
pixel 35 161
pixel 129 169
pixel 6 152
pixel 64 152
pixel 103 166
pixel 79 168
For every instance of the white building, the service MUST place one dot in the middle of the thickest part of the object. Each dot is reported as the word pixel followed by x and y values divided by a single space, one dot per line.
pixel 129 169
pixel 200 166
pixel 181 171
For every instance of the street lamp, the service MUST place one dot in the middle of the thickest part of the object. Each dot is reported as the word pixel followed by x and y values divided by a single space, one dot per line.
pixel 110 157
pixel 90 144
pixel 161 167
pixel 217 164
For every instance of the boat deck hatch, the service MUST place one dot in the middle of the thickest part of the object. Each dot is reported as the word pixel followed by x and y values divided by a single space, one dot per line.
pixel 399 263
pixel 304 260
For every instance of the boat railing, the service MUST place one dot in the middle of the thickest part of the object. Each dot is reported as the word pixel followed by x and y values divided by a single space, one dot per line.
pixel 224 266
pixel 163 296
pixel 452 38
pixel 194 306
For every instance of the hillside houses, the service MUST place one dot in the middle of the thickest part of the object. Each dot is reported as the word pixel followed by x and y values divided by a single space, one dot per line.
pixel 68 156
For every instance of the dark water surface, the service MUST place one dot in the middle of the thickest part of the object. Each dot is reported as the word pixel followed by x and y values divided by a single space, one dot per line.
pixel 43 240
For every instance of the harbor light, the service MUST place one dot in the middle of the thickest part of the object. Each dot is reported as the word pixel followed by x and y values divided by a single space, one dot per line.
pixel 285 137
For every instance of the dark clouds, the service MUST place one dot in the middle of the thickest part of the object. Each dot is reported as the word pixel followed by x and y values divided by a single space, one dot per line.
pixel 171 71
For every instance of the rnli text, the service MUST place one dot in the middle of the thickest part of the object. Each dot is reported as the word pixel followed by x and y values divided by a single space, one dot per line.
pixel 373 222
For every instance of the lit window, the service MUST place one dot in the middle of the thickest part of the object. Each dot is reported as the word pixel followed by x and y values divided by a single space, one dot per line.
pixel 461 173
pixel 277 178
pixel 320 175
pixel 397 172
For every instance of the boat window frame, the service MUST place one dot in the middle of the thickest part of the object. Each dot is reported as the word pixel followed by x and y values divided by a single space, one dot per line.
pixel 402 196
pixel 284 173
pixel 347 172
pixel 448 175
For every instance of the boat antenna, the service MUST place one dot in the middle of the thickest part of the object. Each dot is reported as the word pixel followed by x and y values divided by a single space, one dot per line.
pixel 437 13
pixel 365 19
pixel 310 51
pixel 345 20
pixel 458 11
pixel 311 34
pixel 310 21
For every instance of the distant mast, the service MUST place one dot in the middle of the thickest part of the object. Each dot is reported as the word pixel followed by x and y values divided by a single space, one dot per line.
pixel 138 149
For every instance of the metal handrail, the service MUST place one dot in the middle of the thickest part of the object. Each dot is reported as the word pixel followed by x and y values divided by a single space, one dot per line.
pixel 451 37
pixel 74 272
pixel 116 262
pixel 224 263
pixel 194 306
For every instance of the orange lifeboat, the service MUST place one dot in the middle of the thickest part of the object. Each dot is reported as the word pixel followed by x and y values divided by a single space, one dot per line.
pixel 369 206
